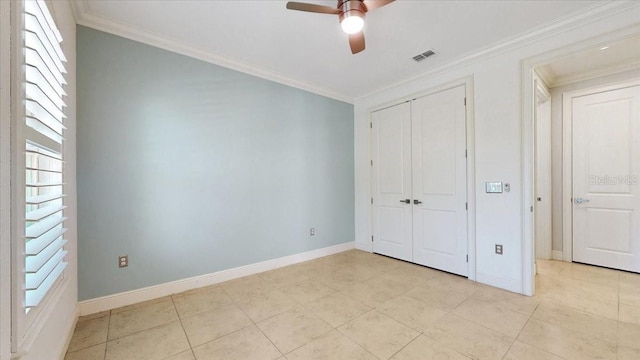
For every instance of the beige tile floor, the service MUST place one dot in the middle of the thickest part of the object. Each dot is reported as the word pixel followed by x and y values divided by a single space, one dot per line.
pixel 357 305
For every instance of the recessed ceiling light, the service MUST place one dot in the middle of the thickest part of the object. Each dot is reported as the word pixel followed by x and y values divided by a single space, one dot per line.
pixel 604 48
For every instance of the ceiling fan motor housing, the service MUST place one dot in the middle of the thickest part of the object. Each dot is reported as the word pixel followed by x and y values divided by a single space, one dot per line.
pixel 351 8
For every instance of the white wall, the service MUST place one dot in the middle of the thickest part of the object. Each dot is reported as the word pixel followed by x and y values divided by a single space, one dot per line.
pixel 498 139
pixel 52 340
pixel 556 141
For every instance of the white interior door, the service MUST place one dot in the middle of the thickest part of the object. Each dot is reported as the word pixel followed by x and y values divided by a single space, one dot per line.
pixel 440 181
pixel 606 170
pixel 391 176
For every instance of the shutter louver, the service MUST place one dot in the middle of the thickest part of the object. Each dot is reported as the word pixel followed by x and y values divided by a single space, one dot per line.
pixel 44 165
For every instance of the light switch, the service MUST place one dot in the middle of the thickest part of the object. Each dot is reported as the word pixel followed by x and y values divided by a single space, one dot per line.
pixel 493 187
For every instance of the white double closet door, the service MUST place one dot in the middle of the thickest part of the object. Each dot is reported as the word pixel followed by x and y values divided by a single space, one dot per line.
pixel 419 181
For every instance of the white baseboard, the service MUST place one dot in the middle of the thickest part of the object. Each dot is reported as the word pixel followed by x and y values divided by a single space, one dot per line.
pixel 364 246
pixel 109 302
pixel 70 334
pixel 499 282
pixel 557 255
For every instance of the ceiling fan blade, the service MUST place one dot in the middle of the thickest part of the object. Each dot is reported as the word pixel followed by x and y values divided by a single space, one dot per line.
pixel 374 4
pixel 292 5
pixel 356 41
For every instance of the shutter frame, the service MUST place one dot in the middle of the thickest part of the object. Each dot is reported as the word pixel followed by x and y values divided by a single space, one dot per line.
pixel 43 129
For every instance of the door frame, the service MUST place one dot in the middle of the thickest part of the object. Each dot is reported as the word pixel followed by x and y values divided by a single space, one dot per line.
pixel 567 157
pixel 542 92
pixel 528 66
pixel 5 180
pixel 467 82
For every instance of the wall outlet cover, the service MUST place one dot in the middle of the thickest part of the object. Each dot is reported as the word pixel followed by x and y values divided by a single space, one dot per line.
pixel 123 261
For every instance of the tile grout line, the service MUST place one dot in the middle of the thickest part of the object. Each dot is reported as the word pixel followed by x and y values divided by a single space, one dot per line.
pixel 520 332
pixel 89 346
pixel 182 325
pixel 407 344
pixel 139 331
pixel 254 324
pixel 332 328
pixel 107 340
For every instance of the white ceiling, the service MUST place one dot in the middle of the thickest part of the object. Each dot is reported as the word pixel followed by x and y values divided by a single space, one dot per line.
pixel 607 59
pixel 311 49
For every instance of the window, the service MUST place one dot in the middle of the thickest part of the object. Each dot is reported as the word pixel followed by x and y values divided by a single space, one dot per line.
pixel 40 165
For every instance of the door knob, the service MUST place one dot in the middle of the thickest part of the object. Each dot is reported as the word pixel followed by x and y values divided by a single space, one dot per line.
pixel 417 202
pixel 406 201
pixel 580 200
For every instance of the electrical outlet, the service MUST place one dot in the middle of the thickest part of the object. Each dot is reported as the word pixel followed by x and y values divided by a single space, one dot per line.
pixel 312 231
pixel 498 249
pixel 123 261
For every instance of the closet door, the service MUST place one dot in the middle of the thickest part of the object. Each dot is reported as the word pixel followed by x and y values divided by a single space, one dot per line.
pixel 391 177
pixel 439 181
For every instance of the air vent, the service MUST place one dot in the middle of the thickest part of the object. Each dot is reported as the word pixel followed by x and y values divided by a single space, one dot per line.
pixel 424 55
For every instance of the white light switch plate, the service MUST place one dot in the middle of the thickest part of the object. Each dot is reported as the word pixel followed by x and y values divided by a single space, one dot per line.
pixel 494 187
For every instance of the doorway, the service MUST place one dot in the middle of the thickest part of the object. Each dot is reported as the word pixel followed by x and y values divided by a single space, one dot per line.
pixel 594 64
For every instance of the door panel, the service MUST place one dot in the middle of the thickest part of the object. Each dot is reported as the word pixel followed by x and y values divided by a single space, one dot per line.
pixel 438 225
pixel 606 166
pixel 391 177
pixel 435 147
pixel 439 181
pixel 603 236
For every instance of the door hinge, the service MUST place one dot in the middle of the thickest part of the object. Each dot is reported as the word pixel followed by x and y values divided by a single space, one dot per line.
pixel 371 200
pixel 466 206
pixel 531 209
pixel 467 257
pixel 370 125
pixel 465 153
pixel 371 238
pixel 371 162
pixel 465 101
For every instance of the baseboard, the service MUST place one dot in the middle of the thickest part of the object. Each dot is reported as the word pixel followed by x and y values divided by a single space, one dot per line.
pixel 499 282
pixel 109 302
pixel 557 255
pixel 70 334
pixel 364 246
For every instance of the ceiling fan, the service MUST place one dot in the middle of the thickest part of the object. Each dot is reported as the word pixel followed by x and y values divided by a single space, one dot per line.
pixel 351 15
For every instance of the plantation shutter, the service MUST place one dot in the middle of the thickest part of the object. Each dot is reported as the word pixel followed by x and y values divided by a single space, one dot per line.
pixel 44 163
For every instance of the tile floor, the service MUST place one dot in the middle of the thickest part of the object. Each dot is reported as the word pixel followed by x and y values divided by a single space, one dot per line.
pixel 357 305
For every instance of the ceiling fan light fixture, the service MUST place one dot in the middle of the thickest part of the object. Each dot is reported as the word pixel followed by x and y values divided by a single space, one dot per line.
pixel 352 22
pixel 350 14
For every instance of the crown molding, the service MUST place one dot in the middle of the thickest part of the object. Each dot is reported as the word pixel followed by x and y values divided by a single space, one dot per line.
pixel 84 17
pixel 610 70
pixel 563 24
pixel 594 13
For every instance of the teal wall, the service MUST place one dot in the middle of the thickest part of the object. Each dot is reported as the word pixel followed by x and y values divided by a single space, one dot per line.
pixel 191 168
